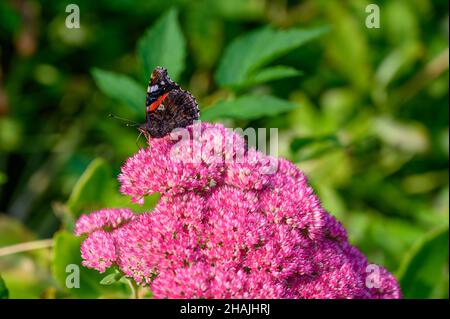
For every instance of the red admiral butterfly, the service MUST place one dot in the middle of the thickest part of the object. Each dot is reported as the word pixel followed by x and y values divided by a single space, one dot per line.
pixel 167 106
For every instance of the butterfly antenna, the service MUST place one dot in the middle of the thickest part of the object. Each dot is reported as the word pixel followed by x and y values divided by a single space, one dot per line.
pixel 128 122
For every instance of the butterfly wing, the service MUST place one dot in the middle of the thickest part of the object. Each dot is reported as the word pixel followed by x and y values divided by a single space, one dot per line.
pixel 160 84
pixel 178 109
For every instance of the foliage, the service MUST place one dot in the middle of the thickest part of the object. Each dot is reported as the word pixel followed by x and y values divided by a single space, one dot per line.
pixel 4 293
pixel 66 252
pixel 163 44
pixel 245 55
pixel 364 112
pixel 248 107
pixel 423 272
pixel 120 87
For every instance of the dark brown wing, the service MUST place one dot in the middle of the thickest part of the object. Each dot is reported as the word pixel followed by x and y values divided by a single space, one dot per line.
pixel 179 109
pixel 159 84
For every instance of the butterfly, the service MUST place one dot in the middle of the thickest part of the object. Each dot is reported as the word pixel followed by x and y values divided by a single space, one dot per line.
pixel 167 106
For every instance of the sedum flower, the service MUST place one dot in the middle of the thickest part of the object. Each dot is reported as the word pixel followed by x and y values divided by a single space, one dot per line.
pixel 104 219
pixel 98 251
pixel 225 228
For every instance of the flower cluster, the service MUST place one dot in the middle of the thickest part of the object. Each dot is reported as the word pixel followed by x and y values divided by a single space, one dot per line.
pixel 224 229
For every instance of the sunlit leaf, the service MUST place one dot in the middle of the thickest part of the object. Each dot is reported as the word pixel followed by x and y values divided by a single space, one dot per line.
pixel 163 45
pixel 248 107
pixel 347 46
pixel 425 268
pixel 122 88
pixel 111 278
pixel 204 30
pixel 93 189
pixel 246 54
pixel 409 137
pixel 238 9
pixel 10 134
pixel 271 74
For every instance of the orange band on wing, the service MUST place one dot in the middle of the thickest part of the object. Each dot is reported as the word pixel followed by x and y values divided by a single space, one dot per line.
pixel 158 102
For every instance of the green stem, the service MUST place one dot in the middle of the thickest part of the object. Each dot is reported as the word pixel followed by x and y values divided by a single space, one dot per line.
pixel 134 289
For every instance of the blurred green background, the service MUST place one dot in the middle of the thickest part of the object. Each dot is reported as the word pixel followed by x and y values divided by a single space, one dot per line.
pixel 364 112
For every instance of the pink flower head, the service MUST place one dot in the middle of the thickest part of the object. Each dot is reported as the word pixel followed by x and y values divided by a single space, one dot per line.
pixel 387 287
pixel 171 166
pixel 103 219
pixel 98 251
pixel 226 226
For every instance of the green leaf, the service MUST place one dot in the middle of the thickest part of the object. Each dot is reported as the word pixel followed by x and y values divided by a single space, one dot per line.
pixel 240 10
pixel 93 189
pixel 3 178
pixel 248 107
pixel 122 88
pixel 163 45
pixel 4 293
pixel 271 74
pixel 10 135
pixel 316 151
pixel 301 142
pixel 246 54
pixel 111 278
pixel 347 45
pixel 66 251
pixel 10 19
pixel 97 188
pixel 424 270
pixel 203 30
